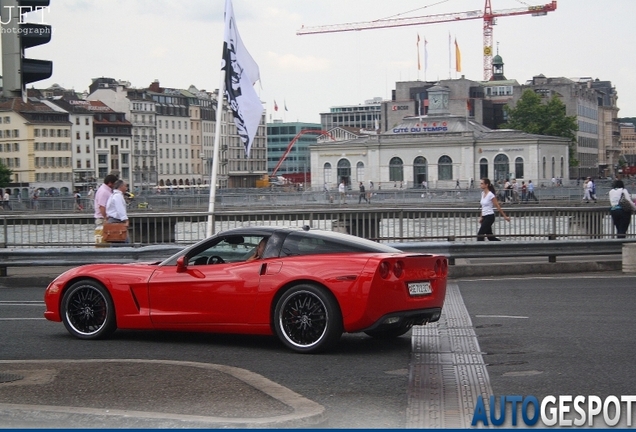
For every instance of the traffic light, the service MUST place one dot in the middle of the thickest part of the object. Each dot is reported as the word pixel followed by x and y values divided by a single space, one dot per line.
pixel 17 35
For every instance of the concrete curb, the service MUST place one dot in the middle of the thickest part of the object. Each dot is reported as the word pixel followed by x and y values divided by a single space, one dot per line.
pixel 524 268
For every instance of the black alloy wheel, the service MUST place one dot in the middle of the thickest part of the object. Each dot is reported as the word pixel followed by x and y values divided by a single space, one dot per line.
pixel 307 319
pixel 88 311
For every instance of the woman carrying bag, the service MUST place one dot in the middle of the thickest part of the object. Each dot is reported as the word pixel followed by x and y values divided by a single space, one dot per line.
pixel 621 208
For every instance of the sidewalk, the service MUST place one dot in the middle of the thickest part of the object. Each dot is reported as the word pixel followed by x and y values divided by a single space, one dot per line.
pixel 146 394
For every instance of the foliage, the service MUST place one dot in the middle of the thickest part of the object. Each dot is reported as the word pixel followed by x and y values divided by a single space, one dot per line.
pixel 5 176
pixel 533 116
pixel 631 120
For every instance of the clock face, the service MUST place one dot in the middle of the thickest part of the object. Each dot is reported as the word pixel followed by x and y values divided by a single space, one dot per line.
pixel 445 101
pixel 436 101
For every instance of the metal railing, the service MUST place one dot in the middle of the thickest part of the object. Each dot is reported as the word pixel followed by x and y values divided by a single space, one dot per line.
pixel 384 224
pixel 196 198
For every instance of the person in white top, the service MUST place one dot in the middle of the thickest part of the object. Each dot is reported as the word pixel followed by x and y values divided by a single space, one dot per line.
pixel 342 192
pixel 488 203
pixel 116 205
pixel 620 217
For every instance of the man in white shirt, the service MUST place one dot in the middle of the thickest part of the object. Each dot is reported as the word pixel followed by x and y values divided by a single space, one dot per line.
pixel 116 205
pixel 342 192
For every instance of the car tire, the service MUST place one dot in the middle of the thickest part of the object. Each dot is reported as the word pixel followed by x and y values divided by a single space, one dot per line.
pixel 389 333
pixel 88 311
pixel 307 319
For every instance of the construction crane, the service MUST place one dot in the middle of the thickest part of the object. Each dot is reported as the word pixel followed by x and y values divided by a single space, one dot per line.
pixel 265 182
pixel 488 15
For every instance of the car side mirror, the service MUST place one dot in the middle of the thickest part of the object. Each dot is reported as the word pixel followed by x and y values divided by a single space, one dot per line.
pixel 182 264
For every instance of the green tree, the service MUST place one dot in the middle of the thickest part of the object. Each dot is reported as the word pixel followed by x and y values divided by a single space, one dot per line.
pixel 5 175
pixel 533 116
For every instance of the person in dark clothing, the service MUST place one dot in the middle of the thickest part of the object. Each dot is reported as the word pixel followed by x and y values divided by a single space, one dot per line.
pixel 363 194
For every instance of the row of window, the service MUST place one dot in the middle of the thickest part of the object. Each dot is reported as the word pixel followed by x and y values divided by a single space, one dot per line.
pixel 10 147
pixel 499 91
pixel 591 128
pixel 54 177
pixel 51 132
pixel 51 146
pixel 8 133
pixel 52 162
pixel 173 139
pixel 10 162
pixel 589 112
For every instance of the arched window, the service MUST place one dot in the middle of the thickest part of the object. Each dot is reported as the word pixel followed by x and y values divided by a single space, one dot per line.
pixel 344 171
pixel 502 167
pixel 445 168
pixel 553 167
pixel 396 169
pixel 360 171
pixel 519 168
pixel 326 173
pixel 483 168
pixel 420 168
pixel 543 168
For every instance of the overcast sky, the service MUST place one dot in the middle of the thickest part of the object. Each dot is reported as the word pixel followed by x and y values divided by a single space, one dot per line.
pixel 179 43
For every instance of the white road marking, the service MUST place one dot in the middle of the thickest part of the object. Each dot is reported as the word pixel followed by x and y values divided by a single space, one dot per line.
pixel 501 316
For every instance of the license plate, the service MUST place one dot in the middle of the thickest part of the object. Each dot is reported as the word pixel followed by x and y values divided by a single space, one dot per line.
pixel 420 288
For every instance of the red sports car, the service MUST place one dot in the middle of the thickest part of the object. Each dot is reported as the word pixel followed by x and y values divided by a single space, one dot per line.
pixel 305 286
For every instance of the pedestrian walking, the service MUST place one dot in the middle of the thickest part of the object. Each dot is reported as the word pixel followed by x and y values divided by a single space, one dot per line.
pixel 34 199
pixel 524 192
pixel 621 208
pixel 363 194
pixel 589 190
pixel 78 201
pixel 91 198
pixel 101 199
pixel 488 203
pixel 531 194
pixel 116 209
pixel 6 200
pixel 342 191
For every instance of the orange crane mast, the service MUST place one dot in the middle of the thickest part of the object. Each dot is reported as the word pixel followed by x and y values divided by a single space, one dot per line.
pixel 291 145
pixel 488 15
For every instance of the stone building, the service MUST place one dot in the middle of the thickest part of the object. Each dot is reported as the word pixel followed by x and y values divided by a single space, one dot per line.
pixel 441 149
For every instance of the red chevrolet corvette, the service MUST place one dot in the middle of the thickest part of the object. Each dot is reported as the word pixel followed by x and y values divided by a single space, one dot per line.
pixel 305 286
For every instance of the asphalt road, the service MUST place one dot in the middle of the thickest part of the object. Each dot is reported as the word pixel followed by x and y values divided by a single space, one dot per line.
pixel 556 336
pixel 540 336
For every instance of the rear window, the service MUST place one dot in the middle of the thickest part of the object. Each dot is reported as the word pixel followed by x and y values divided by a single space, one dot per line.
pixel 323 243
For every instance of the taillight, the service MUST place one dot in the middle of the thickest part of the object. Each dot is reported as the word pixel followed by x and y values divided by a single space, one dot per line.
pixel 398 269
pixel 384 269
pixel 441 267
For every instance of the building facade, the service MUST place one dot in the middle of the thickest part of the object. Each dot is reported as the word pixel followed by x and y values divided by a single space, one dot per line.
pixel 440 149
pixel 366 116
pixel 36 145
pixel 297 162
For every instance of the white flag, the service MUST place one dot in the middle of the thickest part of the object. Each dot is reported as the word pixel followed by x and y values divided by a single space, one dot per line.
pixel 241 73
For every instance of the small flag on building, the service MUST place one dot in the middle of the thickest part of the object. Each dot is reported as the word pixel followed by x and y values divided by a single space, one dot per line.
pixel 275 106
pixel 419 65
pixel 458 58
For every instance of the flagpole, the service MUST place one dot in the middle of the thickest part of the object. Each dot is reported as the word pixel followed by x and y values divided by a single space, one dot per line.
pixel 215 155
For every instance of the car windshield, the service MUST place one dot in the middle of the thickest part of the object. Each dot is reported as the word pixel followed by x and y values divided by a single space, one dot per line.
pixel 228 249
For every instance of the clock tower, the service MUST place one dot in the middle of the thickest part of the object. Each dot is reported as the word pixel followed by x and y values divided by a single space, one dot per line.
pixel 438 97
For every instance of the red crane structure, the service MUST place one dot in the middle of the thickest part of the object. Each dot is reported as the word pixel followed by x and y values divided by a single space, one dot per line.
pixel 293 141
pixel 488 15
